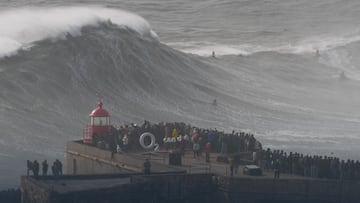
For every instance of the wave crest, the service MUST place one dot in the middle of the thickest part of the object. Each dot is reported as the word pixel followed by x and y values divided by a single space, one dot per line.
pixel 23 26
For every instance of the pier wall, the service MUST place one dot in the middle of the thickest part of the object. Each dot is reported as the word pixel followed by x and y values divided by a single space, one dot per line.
pixel 160 188
pixel 253 190
pixel 190 188
pixel 87 159
pixel 84 159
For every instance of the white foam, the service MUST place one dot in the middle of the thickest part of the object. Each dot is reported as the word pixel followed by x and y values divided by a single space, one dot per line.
pixel 283 105
pixel 23 26
pixel 298 136
pixel 305 46
pixel 206 48
pixel 342 60
pixel 321 43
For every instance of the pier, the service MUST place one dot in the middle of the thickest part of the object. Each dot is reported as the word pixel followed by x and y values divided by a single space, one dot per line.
pixel 95 174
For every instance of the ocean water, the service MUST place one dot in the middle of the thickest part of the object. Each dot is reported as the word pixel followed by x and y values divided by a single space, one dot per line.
pixel 287 71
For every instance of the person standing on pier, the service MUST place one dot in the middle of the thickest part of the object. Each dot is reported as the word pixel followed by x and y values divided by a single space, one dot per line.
pixel 29 167
pixel 60 166
pixel 196 150
pixel 207 152
pixel 55 170
pixel 36 168
pixel 277 169
pixel 231 165
pixel 125 141
pixel 44 167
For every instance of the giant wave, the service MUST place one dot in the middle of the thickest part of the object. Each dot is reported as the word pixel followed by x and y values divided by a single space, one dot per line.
pixel 49 87
pixel 22 26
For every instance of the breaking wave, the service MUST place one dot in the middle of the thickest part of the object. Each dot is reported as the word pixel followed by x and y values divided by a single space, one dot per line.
pixel 48 88
pixel 19 28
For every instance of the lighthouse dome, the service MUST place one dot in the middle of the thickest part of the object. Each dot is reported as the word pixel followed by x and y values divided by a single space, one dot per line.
pixel 99 111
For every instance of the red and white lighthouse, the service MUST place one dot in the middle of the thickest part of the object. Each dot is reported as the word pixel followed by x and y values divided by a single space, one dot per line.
pixel 99 126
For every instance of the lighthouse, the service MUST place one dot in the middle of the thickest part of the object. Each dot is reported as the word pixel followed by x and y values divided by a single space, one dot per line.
pixel 99 126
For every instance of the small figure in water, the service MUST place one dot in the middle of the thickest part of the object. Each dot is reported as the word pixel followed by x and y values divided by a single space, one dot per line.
pixel 342 76
pixel 213 54
pixel 317 53
pixel 214 102
pixel 109 22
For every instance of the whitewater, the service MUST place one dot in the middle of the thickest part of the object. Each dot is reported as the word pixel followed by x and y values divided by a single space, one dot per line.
pixel 285 70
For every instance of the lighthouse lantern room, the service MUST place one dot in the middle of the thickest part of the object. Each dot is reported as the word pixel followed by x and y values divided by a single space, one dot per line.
pixel 99 126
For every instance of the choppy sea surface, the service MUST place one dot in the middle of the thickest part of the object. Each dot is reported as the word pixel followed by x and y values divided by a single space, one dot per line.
pixel 287 71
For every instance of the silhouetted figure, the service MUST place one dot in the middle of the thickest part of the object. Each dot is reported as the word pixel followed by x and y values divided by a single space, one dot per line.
pixel 214 102
pixel 207 150
pixel 125 141
pixel 59 167
pixel 36 168
pixel 29 165
pixel 231 165
pixel 55 170
pixel 277 169
pixel 213 54
pixel 317 53
pixel 45 166
pixel 196 150
pixel 147 166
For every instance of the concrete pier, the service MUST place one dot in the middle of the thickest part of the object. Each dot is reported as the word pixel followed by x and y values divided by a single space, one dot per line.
pixel 97 175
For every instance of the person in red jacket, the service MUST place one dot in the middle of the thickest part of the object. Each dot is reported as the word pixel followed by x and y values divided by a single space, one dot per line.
pixel 207 151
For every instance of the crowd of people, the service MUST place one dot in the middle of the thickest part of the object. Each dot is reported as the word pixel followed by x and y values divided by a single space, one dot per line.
pixel 34 167
pixel 185 137
pixel 201 140
pixel 310 166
